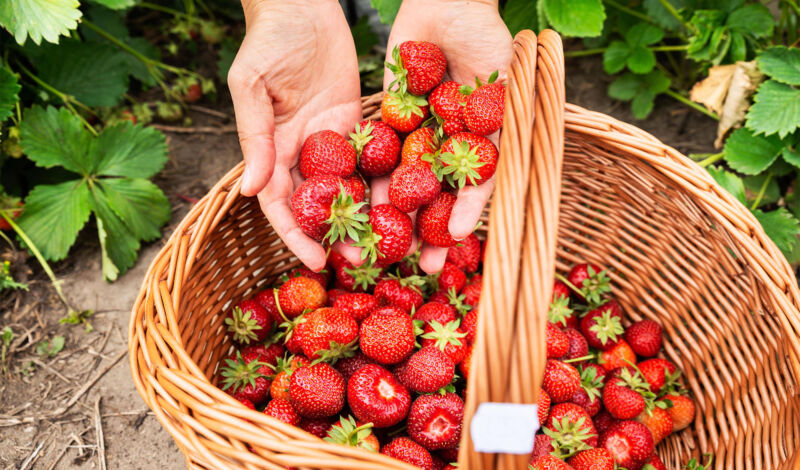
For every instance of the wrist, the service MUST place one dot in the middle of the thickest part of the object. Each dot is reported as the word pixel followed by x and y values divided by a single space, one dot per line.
pixel 253 8
pixel 463 3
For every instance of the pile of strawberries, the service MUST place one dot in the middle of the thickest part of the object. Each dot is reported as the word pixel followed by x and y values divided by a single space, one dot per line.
pixel 607 400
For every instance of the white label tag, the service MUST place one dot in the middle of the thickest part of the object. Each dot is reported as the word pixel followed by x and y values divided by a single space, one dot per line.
pixel 506 428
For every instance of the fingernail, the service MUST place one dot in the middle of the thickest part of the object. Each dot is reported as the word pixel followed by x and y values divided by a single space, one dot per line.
pixel 246 178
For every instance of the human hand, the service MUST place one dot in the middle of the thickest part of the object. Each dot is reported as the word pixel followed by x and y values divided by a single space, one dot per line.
pixel 475 42
pixel 296 73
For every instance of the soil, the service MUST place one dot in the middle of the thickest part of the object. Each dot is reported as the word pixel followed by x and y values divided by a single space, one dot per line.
pixel 31 392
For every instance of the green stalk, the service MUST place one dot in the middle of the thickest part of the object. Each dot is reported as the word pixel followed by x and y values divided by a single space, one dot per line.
pixel 691 104
pixel 711 159
pixel 629 11
pixel 672 11
pixel 761 192
pixel 794 6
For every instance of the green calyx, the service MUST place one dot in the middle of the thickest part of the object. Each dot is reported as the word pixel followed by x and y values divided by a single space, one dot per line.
pixel 607 327
pixel 282 364
pixel 335 352
pixel 467 90
pixel 288 326
pixel 559 310
pixel 406 104
pixel 412 260
pixel 364 276
pixel 445 334
pixel 591 382
pixel 695 465
pixel 672 384
pixel 368 242
pixel 460 165
pixel 346 219
pixel 419 329
pixel 242 326
pixel 400 73
pixel 595 286
pixel 361 137
pixel 347 432
pixel 568 437
pixel 636 382
pixel 239 374
pixel 457 301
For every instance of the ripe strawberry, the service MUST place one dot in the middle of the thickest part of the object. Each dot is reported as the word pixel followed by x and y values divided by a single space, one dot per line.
pixel 349 433
pixel 403 293
pixel 299 294
pixel 325 209
pixel 403 448
pixel 245 377
pixel 603 326
pixel 469 325
pixel 247 403
pixel 629 442
pixel 358 305
pixel 591 281
pixel 282 409
pixel 483 111
pixel 447 102
pixel 543 407
pixel 375 396
pixel 433 221
pixel 592 459
pixel 660 373
pixel 577 345
pixel 387 335
pixel 412 186
pixel 655 463
pixel 603 421
pixel 435 311
pixel 571 428
pixel 323 277
pixel 561 380
pixel 466 254
pixel 418 66
pixel 269 355
pixel 353 278
pixel 377 146
pixel 560 290
pixel 682 411
pixel 327 153
pixel 283 375
pixel 658 421
pixel 463 366
pixel 588 396
pixel 317 391
pixel 354 185
pixel 350 365
pixel 448 338
pixel 388 235
pixel 317 426
pixel 334 294
pixel 644 337
pixel 435 420
pixel 248 322
pixel 423 142
pixel 556 341
pixel 427 370
pixel 193 93
pixel 403 111
pixel 329 334
pixel 472 294
pixel 625 394
pixel 561 314
pixel 542 445
pixel 620 355
pixel 451 277
pixel 293 334
pixel 467 157
pixel 549 462
pixel 449 455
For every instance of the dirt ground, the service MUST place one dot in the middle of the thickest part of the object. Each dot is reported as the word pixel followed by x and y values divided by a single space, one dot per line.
pixel 36 432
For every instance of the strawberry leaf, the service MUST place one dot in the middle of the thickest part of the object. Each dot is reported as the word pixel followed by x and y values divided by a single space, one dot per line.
pixel 519 15
pixel 576 18
pixel 129 150
pixel 54 137
pixel 781 63
pixel 750 154
pixel 139 203
pixel 656 10
pixel 9 88
pixel 39 19
pixel 387 9
pixel 775 109
pixel 729 181
pixel 781 226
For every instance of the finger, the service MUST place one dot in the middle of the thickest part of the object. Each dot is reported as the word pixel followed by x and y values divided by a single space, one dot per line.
pixel 432 258
pixel 379 191
pixel 468 209
pixel 350 252
pixel 274 202
pixel 415 244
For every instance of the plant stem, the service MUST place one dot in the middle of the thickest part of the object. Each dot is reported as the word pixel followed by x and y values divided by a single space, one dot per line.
pixel 162 9
pixel 711 159
pixel 672 11
pixel 761 192
pixel 601 50
pixel 691 104
pixel 794 6
pixel 629 11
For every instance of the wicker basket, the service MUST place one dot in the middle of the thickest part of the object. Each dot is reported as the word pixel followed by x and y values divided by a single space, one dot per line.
pixel 682 252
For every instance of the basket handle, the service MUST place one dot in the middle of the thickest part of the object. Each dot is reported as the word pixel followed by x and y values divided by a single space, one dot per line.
pixel 508 357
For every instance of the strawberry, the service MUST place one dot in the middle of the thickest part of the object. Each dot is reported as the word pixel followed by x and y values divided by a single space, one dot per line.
pixel 327 153
pixel 193 93
pixel 412 186
pixel 447 102
pixel 316 426
pixel 592 459
pixel 483 111
pixel 245 377
pixel 299 294
pixel 375 396
pixel 317 390
pixel 334 294
pixel 7 203
pixel 423 142
pixel 427 370
pixel 329 334
pixel 577 344
pixel 449 455
pixel 561 380
pixel 403 111
pixel 418 66
pixel 466 254
pixel 293 334
pixel 350 365
pixel 281 409
pixel 247 403
pixel 463 366
pixel 561 314
pixel 377 146
pixel 435 311
pixel 435 420
pixel 467 157
pixel 560 290
pixel 557 343
pixel 283 375
pixel 358 305
pixel 403 293
pixel 571 428
pixel 325 209
pixel 469 325
pixel 620 355
pixel 603 421
pixel 387 335
pixel 592 283
pixel 349 433
pixel 661 374
pixel 403 448
pixel 353 278
pixel 626 393
pixel 655 463
pixel 323 277
pixel 448 338
pixel 248 322
pixel 629 442
pixel 354 186
pixel 658 421
pixel 451 277
pixel 603 326
pixel 682 411
pixel 549 462
pixel 472 294
pixel 644 337
pixel 543 407
pixel 388 235
pixel 269 355
pixel 588 396
pixel 433 221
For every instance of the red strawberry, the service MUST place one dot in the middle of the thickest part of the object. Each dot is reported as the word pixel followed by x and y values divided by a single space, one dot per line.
pixel 577 344
pixel 620 355
pixel 433 221
pixel 387 335
pixel 266 299
pixel 556 341
pixel 333 294
pixel 591 281
pixel 388 235
pixel 247 403
pixel 350 365
pixel 603 326
pixel 427 370
pixel 403 293
pixel 329 333
pixel 549 462
pixel 317 391
pixel 682 411
pixel 325 209
pixel 435 311
pixel 448 103
pixel 354 186
pixel 327 153
pixel 467 158
pixel 248 322
pixel 269 355
pixel 571 428
pixel 630 443
pixel 658 421
pixel 624 394
pixel 282 410
pixel 349 433
pixel 560 290
pixel 483 112
pixel 323 277
pixel 448 338
pixel 299 294
pixel 420 143
pixel 283 375
pixel 245 377
pixel 193 93
pixel 472 294
pixel 449 455
pixel 403 111
pixel 435 420
pixel 376 396
pixel 418 66
pixel 588 396
pixel 463 366
pixel 561 380
pixel 561 314
pixel 660 373
pixel 293 334
pixel 592 405
pixel 644 337
pixel 353 278
pixel 403 448
pixel 543 407
pixel 603 421
pixel 317 426
pixel 592 459
pixel 377 146
pixel 655 463
pixel 412 186
pixel 358 305
pixel 451 277
pixel 466 254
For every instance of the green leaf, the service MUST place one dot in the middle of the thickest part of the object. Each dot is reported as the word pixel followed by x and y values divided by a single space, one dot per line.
pixel 753 19
pixel 615 56
pixel 792 156
pixel 642 104
pixel 39 19
pixel 363 36
pixel 738 49
pixel 625 87
pixel 130 150
pixel 781 226
pixel 641 89
pixel 748 153
pixel 729 181
pixel 781 63
pixel 139 203
pixel 702 44
pixel 753 185
pixel 137 68
pixel 50 348
pixel 643 34
pixel 519 15
pixel 641 60
pixel 116 4
pixel 387 9
pixel 53 216
pixel 775 109
pixel 95 74
pixel 655 10
pixel 9 90
pixel 227 52
pixel 121 245
pixel 55 137
pixel 578 18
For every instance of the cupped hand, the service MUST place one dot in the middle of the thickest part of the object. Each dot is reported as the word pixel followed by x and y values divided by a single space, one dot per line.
pixel 475 42
pixel 296 73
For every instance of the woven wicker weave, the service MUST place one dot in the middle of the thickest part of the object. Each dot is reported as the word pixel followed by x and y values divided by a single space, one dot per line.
pixel 572 185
